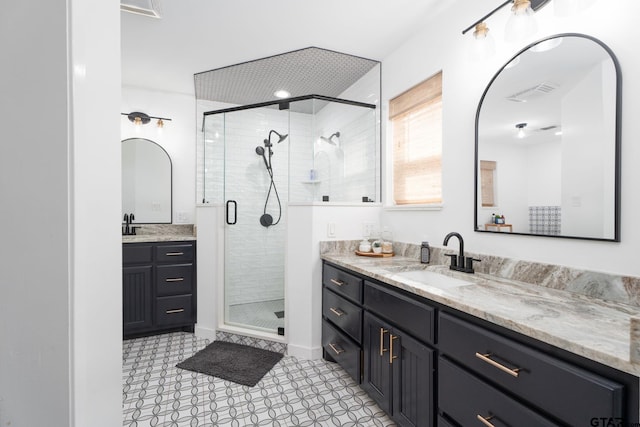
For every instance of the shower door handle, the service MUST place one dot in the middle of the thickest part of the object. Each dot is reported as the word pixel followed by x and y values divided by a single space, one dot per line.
pixel 235 212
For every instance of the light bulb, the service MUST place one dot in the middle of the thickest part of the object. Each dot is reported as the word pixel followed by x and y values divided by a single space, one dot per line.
pixel 482 44
pixel 160 123
pixel 522 22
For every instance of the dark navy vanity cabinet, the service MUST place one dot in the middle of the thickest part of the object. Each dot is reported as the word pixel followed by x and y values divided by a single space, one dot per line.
pixel 427 364
pixel 158 287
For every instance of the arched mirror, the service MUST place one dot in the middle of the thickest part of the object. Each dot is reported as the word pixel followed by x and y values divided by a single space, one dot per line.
pixel 146 181
pixel 548 142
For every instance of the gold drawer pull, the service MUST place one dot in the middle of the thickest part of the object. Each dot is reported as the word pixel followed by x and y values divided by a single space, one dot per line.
pixel 336 311
pixel 337 282
pixel 485 420
pixel 486 358
pixel 335 349
pixel 174 253
pixel 177 310
pixel 175 279
pixel 391 356
pixel 382 349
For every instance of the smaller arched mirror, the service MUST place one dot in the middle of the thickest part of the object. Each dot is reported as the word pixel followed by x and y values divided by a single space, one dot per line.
pixel 146 181
pixel 548 142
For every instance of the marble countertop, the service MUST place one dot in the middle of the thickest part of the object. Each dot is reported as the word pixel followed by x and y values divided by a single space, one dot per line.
pixel 139 238
pixel 596 329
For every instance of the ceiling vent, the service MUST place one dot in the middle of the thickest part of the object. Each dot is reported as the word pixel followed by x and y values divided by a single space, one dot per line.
pixel 533 92
pixel 150 8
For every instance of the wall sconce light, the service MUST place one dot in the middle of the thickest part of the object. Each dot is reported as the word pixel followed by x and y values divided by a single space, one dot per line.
pixel 139 119
pixel 521 23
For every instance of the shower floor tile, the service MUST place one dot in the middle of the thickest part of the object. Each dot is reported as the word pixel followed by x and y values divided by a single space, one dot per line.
pixel 294 393
pixel 260 315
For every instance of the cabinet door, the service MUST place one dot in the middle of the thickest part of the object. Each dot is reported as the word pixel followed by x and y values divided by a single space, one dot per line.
pixel 136 299
pixel 412 371
pixel 377 369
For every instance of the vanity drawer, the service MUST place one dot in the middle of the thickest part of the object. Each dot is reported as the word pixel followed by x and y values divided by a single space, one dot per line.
pixel 176 310
pixel 413 317
pixel 177 252
pixel 567 392
pixel 342 313
pixel 341 349
pixel 136 254
pixel 174 279
pixel 465 398
pixel 342 282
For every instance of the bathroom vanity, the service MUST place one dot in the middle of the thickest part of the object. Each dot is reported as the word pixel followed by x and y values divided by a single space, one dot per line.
pixel 158 285
pixel 434 347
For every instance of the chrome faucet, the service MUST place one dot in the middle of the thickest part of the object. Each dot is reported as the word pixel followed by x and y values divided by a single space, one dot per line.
pixel 459 262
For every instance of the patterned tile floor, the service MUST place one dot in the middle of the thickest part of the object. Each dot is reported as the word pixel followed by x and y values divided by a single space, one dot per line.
pixel 294 393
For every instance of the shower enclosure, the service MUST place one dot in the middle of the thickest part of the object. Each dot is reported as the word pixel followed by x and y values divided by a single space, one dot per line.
pixel 255 161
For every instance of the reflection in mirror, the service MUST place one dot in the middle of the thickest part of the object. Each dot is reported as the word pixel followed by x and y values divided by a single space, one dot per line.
pixel 547 142
pixel 146 181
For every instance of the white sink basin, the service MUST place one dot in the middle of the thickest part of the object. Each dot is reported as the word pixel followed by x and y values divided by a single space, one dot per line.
pixel 433 279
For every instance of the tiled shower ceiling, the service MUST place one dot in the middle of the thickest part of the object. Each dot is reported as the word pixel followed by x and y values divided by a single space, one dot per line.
pixel 309 71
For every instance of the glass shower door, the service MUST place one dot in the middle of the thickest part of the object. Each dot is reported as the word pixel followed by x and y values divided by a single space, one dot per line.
pixel 255 193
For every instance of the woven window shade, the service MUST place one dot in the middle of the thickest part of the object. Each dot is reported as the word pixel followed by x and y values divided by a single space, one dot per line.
pixel 416 117
pixel 487 183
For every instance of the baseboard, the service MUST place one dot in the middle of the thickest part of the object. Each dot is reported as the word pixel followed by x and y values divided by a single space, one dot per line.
pixel 207 333
pixel 307 353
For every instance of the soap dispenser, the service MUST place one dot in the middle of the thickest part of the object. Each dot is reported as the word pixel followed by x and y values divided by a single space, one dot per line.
pixel 425 253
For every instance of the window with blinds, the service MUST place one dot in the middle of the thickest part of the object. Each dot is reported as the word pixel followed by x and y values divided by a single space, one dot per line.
pixel 416 120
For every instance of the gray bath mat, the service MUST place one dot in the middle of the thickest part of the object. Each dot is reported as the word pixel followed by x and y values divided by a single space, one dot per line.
pixel 233 362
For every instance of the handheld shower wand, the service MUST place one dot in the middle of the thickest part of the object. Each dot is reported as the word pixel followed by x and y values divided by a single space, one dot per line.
pixel 266 219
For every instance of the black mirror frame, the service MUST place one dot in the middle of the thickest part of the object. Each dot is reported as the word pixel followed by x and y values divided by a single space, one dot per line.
pixel 618 132
pixel 170 178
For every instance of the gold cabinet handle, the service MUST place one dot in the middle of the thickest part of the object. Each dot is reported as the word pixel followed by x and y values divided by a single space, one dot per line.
pixel 382 349
pixel 174 253
pixel 335 349
pixel 177 310
pixel 337 282
pixel 391 356
pixel 485 420
pixel 336 311
pixel 174 279
pixel 514 372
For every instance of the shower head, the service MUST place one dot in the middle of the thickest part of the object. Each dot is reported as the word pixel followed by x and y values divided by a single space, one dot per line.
pixel 280 136
pixel 330 139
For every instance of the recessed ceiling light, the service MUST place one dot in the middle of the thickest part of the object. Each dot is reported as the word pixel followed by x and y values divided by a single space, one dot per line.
pixel 281 94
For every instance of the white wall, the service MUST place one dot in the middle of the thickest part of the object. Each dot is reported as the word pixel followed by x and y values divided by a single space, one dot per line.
pixel 60 295
pixel 584 193
pixel 441 46
pixel 307 228
pixel 177 137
